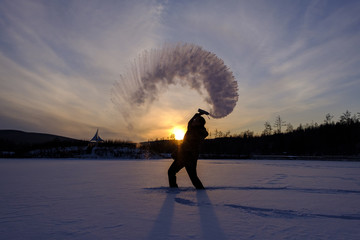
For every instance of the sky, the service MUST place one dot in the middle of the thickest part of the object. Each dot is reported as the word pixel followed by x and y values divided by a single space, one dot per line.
pixel 59 61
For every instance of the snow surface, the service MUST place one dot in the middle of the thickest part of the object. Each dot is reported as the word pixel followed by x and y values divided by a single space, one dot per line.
pixel 129 199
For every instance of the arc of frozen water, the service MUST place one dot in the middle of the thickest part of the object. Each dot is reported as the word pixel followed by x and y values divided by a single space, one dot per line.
pixel 185 64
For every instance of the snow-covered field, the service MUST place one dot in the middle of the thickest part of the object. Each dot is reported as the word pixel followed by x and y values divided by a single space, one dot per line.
pixel 129 199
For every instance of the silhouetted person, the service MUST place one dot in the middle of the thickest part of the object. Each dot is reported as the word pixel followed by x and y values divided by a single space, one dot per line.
pixel 188 152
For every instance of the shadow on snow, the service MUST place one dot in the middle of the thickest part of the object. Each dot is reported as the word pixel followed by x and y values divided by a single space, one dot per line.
pixel 206 207
pixel 210 226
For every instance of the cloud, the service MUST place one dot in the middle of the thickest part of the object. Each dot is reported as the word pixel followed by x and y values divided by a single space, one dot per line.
pixel 59 60
pixel 284 55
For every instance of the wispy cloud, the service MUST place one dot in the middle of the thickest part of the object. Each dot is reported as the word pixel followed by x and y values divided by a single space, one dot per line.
pixel 59 59
pixel 286 55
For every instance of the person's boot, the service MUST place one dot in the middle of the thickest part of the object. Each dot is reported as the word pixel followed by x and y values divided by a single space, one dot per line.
pixel 172 181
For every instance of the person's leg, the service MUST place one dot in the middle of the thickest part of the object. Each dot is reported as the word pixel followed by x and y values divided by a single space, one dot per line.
pixel 191 170
pixel 173 169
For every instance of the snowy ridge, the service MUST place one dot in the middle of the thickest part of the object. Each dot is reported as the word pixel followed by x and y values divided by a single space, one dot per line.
pixel 309 190
pixel 268 212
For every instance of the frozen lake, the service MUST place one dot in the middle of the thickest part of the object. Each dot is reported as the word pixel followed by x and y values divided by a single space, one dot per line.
pixel 129 199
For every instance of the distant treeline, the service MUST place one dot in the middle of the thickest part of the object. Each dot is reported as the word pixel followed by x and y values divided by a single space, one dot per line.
pixel 341 138
pixel 328 138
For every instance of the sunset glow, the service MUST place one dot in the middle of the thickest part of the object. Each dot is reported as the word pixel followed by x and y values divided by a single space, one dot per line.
pixel 178 133
pixel 88 66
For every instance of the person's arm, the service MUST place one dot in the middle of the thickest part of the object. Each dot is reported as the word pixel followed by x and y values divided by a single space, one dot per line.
pixel 192 119
pixel 195 116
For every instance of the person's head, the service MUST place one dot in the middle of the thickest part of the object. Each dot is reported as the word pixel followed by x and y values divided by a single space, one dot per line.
pixel 199 121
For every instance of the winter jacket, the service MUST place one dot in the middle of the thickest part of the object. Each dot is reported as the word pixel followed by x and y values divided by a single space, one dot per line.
pixel 189 149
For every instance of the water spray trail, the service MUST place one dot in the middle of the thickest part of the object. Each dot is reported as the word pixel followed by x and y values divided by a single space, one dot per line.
pixel 185 64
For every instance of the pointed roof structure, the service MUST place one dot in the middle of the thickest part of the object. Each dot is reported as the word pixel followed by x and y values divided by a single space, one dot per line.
pixel 96 137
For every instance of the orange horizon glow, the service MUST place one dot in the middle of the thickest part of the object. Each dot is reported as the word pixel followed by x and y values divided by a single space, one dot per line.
pixel 178 132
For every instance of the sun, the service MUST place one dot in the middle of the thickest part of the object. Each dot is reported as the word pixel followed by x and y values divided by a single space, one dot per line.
pixel 178 133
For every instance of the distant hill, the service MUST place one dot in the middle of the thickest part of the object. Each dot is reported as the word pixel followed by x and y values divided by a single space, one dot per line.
pixel 19 144
pixel 20 137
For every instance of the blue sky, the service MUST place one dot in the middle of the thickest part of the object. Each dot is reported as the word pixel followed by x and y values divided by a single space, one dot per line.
pixel 60 59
